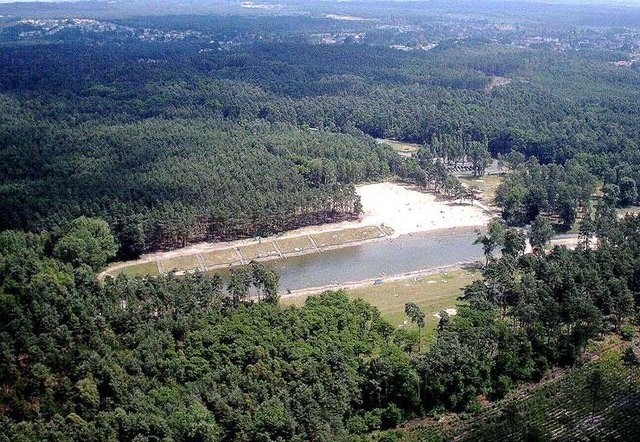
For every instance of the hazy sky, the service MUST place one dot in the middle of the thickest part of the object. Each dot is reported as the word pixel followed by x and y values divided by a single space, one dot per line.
pixel 30 1
pixel 615 2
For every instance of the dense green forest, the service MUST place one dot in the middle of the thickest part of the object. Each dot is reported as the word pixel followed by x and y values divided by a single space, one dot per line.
pixel 164 183
pixel 146 133
pixel 177 141
pixel 188 359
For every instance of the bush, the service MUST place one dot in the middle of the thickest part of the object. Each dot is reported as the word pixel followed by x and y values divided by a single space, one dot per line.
pixel 503 385
pixel 391 416
pixel 627 332
pixel 474 407
pixel 393 436
pixel 629 357
pixel 357 425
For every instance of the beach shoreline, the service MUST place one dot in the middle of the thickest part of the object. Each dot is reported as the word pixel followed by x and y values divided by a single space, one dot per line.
pixel 392 208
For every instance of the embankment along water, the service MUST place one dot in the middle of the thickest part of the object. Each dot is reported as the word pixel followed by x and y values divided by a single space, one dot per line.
pixel 379 259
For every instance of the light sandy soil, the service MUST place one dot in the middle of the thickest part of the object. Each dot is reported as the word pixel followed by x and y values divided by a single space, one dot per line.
pixel 402 208
pixel 450 312
pixel 406 210
pixel 495 82
pixel 570 241
pixel 346 17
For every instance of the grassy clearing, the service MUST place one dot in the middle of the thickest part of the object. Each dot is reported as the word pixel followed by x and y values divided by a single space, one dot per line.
pixel 337 238
pixel 401 147
pixel 219 257
pixel 432 293
pixel 293 245
pixel 188 262
pixel 144 269
pixel 258 250
pixel 487 184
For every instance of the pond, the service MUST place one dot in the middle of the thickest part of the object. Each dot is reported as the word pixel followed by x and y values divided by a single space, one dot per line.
pixel 379 259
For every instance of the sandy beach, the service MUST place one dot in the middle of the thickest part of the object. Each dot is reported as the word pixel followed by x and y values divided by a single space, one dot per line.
pixel 407 210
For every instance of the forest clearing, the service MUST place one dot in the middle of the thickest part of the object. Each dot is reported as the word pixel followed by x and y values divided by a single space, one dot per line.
pixel 432 291
pixel 388 210
pixel 497 82
pixel 403 149
pixel 486 185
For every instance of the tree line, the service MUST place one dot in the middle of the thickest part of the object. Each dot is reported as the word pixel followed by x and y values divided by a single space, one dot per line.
pixel 162 184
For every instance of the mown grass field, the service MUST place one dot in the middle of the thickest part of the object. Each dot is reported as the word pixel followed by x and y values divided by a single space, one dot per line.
pixel 432 293
pixel 181 263
pixel 339 237
pixel 143 269
pixel 219 257
pixel 258 250
pixel 293 245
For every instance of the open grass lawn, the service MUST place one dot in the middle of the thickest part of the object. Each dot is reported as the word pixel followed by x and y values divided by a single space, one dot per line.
pixel 487 184
pixel 219 257
pixel 293 245
pixel 188 262
pixel 337 238
pixel 144 269
pixel 258 250
pixel 401 147
pixel 432 293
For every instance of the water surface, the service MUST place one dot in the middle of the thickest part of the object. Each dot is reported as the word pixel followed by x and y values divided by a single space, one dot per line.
pixel 407 253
